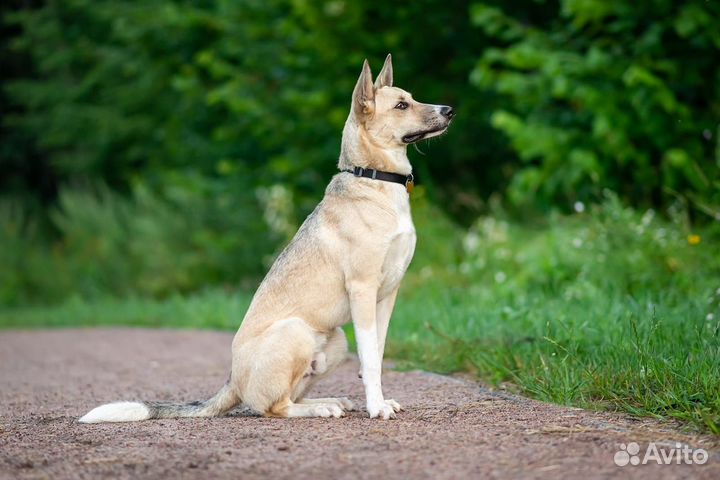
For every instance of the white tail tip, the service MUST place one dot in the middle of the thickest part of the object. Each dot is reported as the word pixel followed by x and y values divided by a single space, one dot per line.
pixel 117 412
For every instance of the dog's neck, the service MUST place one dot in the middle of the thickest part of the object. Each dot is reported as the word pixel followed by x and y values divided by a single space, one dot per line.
pixel 358 149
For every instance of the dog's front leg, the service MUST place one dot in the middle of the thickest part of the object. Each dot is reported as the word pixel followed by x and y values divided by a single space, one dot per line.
pixel 384 312
pixel 363 301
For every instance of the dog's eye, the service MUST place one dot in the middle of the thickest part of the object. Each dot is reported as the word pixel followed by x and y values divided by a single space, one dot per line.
pixel 401 106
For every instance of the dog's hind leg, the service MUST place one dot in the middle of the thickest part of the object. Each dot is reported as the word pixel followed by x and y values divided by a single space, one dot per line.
pixel 273 368
pixel 342 402
pixel 325 361
pixel 286 408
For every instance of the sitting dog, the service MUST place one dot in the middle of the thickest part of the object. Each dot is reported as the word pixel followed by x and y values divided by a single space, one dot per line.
pixel 345 263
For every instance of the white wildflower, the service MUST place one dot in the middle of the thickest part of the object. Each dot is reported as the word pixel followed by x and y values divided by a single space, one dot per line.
pixel 471 242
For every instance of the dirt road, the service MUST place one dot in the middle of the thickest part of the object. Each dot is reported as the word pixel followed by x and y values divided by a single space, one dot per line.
pixel 451 428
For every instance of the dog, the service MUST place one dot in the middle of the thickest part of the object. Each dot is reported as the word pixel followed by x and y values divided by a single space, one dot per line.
pixel 344 264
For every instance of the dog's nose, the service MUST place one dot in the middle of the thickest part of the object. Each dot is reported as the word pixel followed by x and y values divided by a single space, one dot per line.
pixel 447 112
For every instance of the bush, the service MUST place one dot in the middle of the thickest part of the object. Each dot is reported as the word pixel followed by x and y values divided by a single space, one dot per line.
pixel 194 234
pixel 608 94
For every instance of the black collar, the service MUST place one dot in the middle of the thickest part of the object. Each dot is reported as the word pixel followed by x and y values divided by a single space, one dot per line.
pixel 407 180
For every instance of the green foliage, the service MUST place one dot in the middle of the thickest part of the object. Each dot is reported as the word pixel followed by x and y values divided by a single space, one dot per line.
pixel 203 109
pixel 123 90
pixel 608 94
pixel 213 128
pixel 590 94
pixel 23 264
pixel 183 238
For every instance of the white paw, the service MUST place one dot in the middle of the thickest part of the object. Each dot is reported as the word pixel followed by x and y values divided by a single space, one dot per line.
pixel 346 404
pixel 336 411
pixel 382 409
pixel 328 410
pixel 395 405
pixel 322 411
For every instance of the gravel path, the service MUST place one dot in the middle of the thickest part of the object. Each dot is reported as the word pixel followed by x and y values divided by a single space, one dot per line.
pixel 451 428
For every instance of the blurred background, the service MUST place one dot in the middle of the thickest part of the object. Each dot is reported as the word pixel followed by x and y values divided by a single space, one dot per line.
pixel 156 155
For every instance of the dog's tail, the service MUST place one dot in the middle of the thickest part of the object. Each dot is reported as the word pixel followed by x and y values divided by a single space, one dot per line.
pixel 223 401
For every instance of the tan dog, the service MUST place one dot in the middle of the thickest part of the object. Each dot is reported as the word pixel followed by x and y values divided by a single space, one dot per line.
pixel 346 262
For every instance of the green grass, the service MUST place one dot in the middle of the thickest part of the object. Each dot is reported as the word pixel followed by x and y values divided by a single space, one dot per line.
pixel 608 309
pixel 212 309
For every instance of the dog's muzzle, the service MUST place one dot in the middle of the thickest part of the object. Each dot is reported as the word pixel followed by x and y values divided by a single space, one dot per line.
pixel 417 136
pixel 446 112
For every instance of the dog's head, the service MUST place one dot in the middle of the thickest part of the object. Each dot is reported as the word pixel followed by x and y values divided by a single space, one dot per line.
pixel 390 115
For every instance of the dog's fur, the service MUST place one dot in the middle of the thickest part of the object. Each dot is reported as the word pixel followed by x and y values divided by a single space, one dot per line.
pixel 346 262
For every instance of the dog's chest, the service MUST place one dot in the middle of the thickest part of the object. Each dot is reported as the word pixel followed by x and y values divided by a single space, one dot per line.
pixel 400 249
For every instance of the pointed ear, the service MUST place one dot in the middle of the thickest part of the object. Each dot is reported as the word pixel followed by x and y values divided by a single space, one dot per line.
pixel 385 77
pixel 364 94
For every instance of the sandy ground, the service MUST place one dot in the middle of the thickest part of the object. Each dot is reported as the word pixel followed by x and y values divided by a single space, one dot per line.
pixel 451 428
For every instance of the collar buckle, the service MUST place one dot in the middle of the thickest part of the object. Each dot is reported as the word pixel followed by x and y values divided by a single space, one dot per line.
pixel 410 183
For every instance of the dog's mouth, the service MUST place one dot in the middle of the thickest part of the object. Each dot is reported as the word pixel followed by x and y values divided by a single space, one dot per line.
pixel 417 136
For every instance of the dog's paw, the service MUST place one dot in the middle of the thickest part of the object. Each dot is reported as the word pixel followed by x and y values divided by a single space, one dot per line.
pixel 328 410
pixel 346 404
pixel 342 402
pixel 383 409
pixel 395 405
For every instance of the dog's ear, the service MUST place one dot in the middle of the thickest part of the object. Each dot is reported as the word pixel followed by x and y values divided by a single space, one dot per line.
pixel 385 77
pixel 364 93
